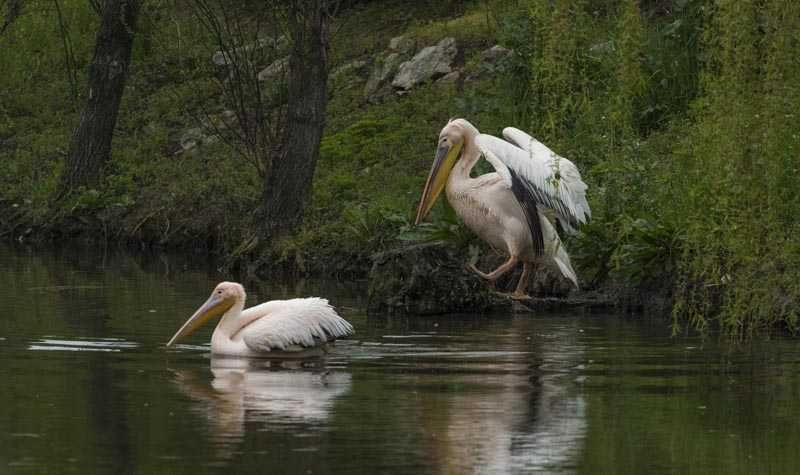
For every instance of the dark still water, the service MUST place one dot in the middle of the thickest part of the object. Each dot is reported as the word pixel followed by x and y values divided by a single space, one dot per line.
pixel 87 386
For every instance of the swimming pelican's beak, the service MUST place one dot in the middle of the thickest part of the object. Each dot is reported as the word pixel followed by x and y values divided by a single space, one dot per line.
pixel 216 305
pixel 446 156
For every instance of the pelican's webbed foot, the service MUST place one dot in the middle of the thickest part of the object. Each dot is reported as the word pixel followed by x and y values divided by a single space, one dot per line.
pixel 521 292
pixel 517 295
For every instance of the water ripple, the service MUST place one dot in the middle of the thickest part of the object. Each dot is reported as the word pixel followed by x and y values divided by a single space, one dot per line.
pixel 93 344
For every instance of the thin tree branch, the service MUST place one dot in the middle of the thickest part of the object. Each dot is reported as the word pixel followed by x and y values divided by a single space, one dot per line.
pixel 69 56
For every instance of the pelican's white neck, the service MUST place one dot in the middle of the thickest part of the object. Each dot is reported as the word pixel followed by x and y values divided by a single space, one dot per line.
pixel 231 323
pixel 469 157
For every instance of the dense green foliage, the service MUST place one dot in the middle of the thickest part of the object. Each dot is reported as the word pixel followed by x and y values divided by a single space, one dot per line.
pixel 744 151
pixel 681 114
pixel 686 120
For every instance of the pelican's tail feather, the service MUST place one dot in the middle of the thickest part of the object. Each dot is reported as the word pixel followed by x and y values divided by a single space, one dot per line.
pixel 562 261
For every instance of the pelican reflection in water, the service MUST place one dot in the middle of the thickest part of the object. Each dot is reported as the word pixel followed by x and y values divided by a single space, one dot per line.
pixel 244 391
pixel 517 422
pixel 295 328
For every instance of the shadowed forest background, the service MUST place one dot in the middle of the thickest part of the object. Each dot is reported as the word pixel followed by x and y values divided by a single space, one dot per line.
pixel 680 114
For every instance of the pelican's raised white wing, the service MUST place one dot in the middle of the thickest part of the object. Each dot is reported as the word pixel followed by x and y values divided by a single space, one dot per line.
pixel 553 181
pixel 291 325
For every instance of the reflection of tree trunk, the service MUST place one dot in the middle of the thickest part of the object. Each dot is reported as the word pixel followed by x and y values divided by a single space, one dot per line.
pixel 86 312
pixel 107 402
pixel 91 142
pixel 288 182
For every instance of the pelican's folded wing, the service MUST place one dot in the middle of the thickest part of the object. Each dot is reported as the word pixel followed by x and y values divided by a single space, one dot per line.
pixel 490 147
pixel 554 181
pixel 289 324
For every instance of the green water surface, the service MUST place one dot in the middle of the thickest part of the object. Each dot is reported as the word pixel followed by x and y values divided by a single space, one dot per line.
pixel 86 386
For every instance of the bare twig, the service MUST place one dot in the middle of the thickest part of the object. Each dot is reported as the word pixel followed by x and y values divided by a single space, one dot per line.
pixel 256 104
pixel 69 56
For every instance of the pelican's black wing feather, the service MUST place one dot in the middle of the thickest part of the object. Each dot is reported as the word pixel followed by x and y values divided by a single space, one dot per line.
pixel 525 197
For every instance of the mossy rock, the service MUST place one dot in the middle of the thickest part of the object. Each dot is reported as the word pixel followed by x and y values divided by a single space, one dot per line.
pixel 433 279
pixel 427 279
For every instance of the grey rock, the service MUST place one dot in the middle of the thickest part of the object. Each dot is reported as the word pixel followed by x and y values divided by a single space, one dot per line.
pixel 190 139
pixel 275 70
pixel 599 49
pixel 429 63
pixel 384 69
pixel 402 44
pixel 348 67
pixel 389 66
pixel 228 115
pixel 494 54
pixel 193 138
pixel 450 77
pixel 220 59
pixel 187 144
pixel 488 60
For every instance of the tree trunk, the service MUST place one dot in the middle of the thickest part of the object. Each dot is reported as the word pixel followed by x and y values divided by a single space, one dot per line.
pixel 90 147
pixel 287 185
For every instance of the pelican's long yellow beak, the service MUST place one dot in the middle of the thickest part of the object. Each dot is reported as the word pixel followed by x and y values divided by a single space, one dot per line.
pixel 446 157
pixel 215 305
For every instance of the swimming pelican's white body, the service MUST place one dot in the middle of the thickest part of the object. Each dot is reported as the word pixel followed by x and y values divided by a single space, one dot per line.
pixel 295 328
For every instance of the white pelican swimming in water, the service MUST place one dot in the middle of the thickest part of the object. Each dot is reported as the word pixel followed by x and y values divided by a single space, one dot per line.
pixel 293 328
pixel 507 208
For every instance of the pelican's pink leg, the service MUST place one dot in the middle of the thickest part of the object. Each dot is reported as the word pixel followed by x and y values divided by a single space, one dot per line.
pixel 497 273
